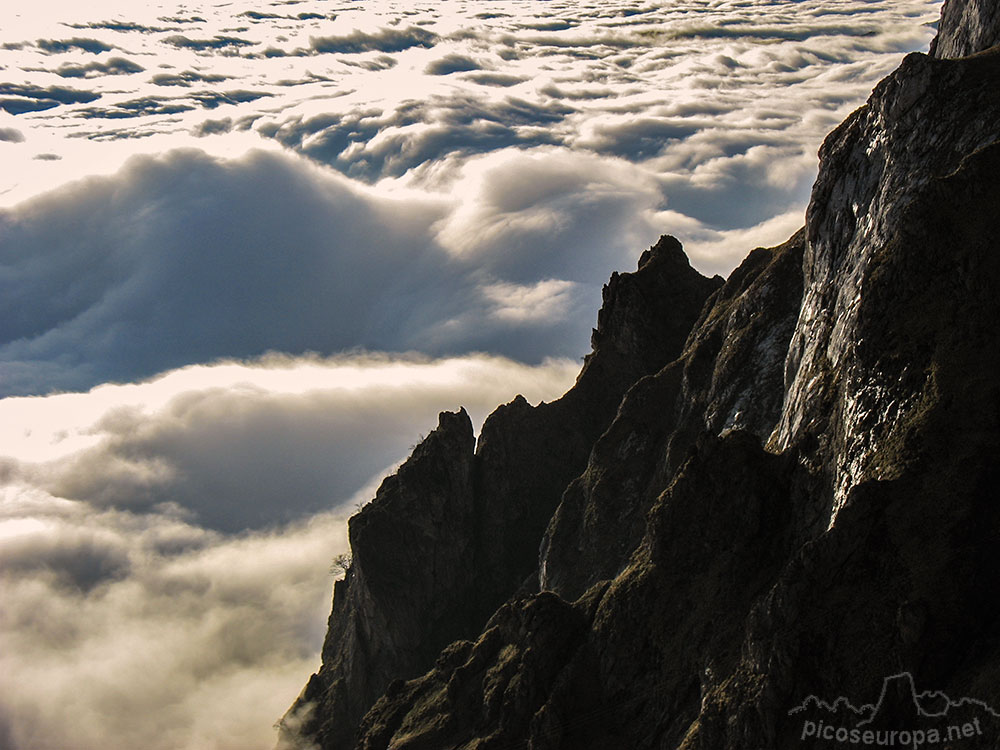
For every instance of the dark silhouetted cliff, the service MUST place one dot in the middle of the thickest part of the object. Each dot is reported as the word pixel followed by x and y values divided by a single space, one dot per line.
pixel 780 486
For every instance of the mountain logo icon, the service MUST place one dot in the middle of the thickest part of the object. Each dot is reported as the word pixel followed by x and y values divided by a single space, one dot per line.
pixel 901 718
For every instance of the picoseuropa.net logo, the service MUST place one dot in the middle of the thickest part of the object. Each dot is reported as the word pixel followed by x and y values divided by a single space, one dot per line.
pixel 901 718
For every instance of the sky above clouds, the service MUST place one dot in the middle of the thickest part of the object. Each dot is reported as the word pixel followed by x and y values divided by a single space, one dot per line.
pixel 248 251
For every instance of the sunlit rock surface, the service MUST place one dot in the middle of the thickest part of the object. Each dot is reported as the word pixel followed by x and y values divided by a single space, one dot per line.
pixel 967 27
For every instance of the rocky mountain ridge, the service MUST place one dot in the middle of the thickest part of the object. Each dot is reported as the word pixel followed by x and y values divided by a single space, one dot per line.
pixel 777 486
pixel 455 531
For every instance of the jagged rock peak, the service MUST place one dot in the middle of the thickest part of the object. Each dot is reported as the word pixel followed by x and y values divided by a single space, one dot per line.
pixel 455 533
pixel 667 250
pixel 728 377
pixel 967 27
pixel 647 315
pixel 453 423
pixel 399 603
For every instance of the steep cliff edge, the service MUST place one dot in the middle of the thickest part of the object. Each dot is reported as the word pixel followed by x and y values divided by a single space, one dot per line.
pixel 456 530
pixel 860 358
pixel 728 378
pixel 790 492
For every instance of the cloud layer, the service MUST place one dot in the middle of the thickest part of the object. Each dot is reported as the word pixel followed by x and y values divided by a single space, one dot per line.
pixel 186 258
pixel 682 91
pixel 245 446
pixel 168 544
pixel 123 630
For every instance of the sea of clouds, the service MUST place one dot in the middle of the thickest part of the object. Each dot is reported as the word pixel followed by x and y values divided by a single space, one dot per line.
pixel 249 251
pixel 166 547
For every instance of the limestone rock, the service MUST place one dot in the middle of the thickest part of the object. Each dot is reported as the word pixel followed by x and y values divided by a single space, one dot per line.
pixel 967 27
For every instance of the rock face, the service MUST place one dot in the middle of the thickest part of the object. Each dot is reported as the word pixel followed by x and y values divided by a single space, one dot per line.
pixel 967 27
pixel 456 530
pixel 864 337
pixel 778 487
pixel 728 378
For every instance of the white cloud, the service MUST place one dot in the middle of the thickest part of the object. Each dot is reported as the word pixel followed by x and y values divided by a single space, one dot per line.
pixel 189 618
pixel 517 302
pixel 197 640
pixel 11 135
pixel 247 445
pixel 550 213
pixel 186 258
pixel 564 77
pixel 710 249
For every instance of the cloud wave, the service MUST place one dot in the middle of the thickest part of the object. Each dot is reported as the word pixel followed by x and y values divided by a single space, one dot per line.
pixel 186 258
pixel 239 446
pixel 167 544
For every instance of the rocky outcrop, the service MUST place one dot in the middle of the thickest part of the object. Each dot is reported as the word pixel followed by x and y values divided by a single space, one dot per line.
pixel 487 693
pixel 967 27
pixel 456 530
pixel 729 377
pixel 386 620
pixel 790 493
pixel 527 456
pixel 858 363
